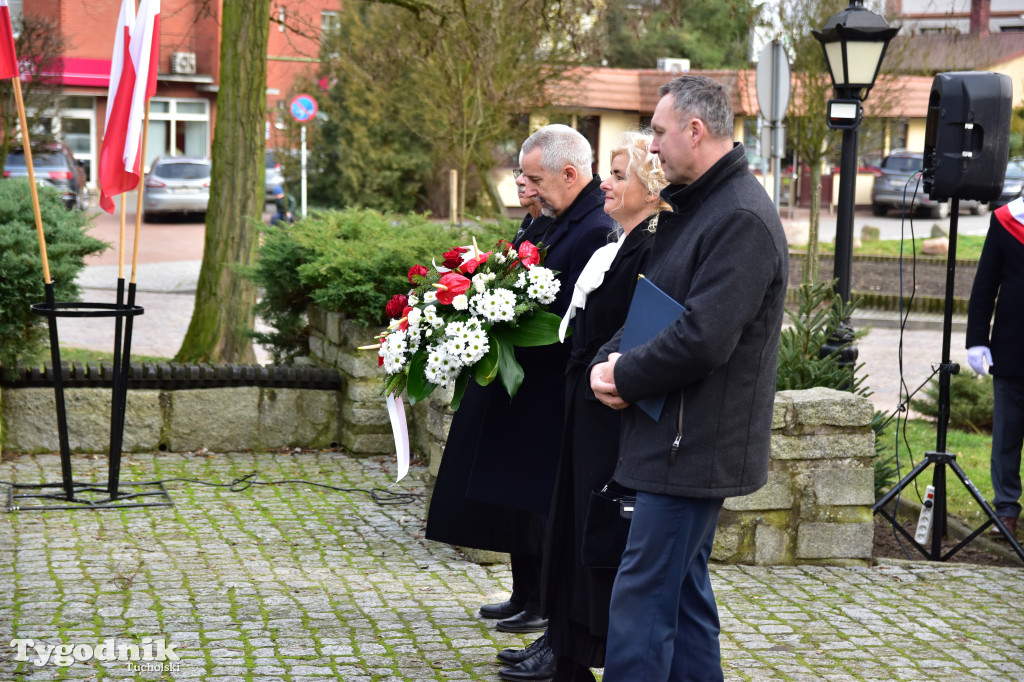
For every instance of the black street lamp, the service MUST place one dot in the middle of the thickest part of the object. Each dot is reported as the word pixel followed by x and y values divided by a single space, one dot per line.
pixel 854 42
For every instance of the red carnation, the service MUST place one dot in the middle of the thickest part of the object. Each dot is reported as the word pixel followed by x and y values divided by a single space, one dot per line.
pixel 528 254
pixel 395 306
pixel 417 271
pixel 451 285
pixel 453 258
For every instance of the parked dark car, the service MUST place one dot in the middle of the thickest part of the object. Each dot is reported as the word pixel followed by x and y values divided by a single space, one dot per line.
pixel 1013 185
pixel 55 165
pixel 176 185
pixel 890 188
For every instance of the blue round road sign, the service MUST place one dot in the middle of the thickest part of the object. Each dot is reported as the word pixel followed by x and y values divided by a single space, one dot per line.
pixel 303 108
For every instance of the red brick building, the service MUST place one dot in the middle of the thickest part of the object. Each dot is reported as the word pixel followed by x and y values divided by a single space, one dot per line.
pixel 182 112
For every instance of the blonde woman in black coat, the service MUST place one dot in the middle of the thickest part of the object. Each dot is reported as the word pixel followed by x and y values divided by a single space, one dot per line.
pixel 576 596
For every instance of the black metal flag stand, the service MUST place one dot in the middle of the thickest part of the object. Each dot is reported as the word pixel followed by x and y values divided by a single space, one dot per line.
pixel 90 495
pixel 940 458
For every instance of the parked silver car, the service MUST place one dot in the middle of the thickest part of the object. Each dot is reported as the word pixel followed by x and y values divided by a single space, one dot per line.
pixel 176 185
pixel 891 189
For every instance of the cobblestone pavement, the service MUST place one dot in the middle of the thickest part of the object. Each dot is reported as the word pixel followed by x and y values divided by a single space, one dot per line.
pixel 296 582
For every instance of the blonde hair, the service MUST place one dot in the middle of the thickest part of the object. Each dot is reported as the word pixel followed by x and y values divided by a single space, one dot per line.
pixel 645 166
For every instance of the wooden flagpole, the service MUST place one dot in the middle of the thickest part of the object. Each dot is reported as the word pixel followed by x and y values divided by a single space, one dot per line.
pixel 142 177
pixel 31 178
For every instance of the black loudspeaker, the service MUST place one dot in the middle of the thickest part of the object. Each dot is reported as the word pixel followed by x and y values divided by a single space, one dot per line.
pixel 967 136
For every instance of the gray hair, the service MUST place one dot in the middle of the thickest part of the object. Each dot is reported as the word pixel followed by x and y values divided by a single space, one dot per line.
pixel 703 98
pixel 560 146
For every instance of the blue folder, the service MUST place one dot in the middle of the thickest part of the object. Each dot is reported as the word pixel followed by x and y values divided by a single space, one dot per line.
pixel 650 311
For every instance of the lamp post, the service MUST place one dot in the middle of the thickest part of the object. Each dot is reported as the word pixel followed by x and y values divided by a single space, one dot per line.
pixel 854 42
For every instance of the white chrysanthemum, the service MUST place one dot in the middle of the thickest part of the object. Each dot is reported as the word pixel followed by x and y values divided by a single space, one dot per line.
pixel 498 305
pixel 442 367
pixel 415 316
pixel 467 341
pixel 460 302
pixel 394 349
pixel 542 285
pixel 481 280
pixel 433 319
pixel 520 282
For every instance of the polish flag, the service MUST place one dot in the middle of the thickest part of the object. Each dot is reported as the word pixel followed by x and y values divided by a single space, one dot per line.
pixel 144 47
pixel 8 57
pixel 115 175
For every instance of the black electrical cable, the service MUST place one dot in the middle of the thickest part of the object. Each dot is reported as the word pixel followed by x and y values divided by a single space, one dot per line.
pixel 381 496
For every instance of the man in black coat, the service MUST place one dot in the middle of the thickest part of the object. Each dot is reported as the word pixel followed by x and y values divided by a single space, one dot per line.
pixel 497 473
pixel 999 287
pixel 722 254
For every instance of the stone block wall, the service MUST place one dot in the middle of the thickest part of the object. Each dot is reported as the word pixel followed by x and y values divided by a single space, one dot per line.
pixel 334 342
pixel 816 507
pixel 179 420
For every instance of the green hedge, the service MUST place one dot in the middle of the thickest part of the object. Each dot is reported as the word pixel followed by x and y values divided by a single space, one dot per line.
pixel 352 262
pixel 23 334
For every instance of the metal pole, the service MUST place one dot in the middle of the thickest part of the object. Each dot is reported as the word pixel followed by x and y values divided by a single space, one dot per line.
pixel 303 171
pixel 844 217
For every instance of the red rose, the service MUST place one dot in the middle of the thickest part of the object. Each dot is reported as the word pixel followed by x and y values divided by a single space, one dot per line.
pixel 417 271
pixel 453 258
pixel 472 264
pixel 528 254
pixel 395 306
pixel 450 286
pixel 405 319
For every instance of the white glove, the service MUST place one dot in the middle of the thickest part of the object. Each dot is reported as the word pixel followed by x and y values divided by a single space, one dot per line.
pixel 978 357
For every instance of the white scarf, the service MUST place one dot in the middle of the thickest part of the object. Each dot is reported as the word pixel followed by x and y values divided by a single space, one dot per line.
pixel 589 279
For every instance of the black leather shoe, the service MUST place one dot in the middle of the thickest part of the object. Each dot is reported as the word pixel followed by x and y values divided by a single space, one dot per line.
pixel 513 656
pixel 540 666
pixel 501 610
pixel 524 621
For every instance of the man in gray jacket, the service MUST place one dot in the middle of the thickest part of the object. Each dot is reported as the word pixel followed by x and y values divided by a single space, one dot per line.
pixel 723 255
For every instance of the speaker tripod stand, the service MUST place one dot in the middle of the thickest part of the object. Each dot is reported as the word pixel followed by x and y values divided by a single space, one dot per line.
pixel 940 459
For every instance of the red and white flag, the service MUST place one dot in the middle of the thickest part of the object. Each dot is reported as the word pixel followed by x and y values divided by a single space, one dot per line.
pixel 115 175
pixel 8 56
pixel 145 52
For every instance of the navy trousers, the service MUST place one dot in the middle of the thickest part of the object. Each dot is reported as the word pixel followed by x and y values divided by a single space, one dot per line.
pixel 663 622
pixel 1007 440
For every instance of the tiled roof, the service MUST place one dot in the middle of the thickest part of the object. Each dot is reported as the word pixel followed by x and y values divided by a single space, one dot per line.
pixel 636 90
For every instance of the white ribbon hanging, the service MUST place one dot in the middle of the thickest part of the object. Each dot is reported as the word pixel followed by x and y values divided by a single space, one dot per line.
pixel 400 430
pixel 590 278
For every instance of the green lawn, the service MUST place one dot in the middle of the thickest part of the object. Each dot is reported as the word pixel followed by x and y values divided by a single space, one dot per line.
pixel 973 451
pixel 94 356
pixel 966 247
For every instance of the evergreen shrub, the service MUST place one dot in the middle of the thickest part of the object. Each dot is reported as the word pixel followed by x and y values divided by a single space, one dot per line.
pixel 22 333
pixel 970 402
pixel 351 262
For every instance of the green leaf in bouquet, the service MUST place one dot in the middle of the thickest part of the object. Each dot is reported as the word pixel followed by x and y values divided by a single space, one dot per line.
pixel 486 368
pixel 460 389
pixel 510 371
pixel 395 383
pixel 538 329
pixel 417 385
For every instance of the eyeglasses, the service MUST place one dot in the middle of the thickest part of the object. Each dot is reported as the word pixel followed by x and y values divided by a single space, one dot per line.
pixel 516 172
